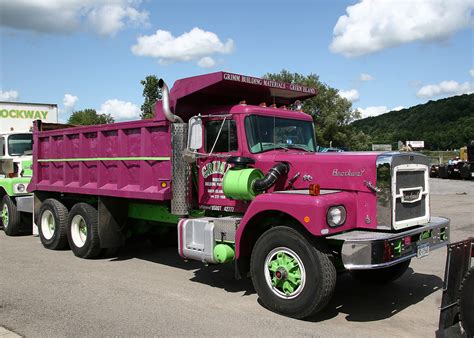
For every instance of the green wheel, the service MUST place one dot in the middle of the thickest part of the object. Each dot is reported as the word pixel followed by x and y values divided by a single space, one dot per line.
pixel 285 273
pixel 291 275
pixel 10 217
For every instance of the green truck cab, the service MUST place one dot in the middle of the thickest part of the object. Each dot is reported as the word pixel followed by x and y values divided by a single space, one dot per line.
pixel 15 175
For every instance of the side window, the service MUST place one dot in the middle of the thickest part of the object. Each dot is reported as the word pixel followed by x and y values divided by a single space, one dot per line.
pixel 2 146
pixel 227 139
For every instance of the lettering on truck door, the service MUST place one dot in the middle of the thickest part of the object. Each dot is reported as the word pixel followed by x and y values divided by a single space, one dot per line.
pixel 220 142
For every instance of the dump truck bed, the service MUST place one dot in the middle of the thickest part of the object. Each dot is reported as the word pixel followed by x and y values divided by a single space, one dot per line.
pixel 128 159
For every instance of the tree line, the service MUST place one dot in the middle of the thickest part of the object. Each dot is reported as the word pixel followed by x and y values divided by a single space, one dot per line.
pixel 444 124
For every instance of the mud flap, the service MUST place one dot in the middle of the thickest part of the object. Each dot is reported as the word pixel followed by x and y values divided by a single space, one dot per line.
pixel 113 213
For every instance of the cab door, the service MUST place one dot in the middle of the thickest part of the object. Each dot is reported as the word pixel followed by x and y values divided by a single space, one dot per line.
pixel 220 142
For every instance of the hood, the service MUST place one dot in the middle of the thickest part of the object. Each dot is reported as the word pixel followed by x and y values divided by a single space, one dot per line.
pixel 339 171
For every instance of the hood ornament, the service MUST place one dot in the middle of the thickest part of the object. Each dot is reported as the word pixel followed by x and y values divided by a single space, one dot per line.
pixel 307 177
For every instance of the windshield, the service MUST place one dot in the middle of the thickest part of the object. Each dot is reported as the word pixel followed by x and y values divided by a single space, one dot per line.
pixel 20 144
pixel 266 133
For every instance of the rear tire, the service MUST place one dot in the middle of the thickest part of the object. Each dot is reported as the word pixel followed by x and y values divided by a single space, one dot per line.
pixel 381 276
pixel 10 217
pixel 52 223
pixel 83 231
pixel 291 275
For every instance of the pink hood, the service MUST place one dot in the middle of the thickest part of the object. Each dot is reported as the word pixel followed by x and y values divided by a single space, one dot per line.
pixel 340 171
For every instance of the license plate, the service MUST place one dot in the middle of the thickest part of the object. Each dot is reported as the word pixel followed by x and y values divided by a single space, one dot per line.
pixel 423 250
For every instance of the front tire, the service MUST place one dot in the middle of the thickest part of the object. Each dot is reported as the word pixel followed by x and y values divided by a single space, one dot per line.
pixel 381 276
pixel 10 217
pixel 291 275
pixel 83 231
pixel 52 223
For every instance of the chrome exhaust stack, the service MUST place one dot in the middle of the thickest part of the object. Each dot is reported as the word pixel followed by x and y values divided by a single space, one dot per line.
pixel 165 101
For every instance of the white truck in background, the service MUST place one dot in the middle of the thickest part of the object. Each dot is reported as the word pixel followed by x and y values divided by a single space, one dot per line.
pixel 16 141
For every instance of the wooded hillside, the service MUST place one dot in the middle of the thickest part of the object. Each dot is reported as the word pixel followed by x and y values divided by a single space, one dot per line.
pixel 442 124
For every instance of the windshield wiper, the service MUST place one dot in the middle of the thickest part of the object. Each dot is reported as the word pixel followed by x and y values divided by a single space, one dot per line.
pixel 286 147
pixel 297 146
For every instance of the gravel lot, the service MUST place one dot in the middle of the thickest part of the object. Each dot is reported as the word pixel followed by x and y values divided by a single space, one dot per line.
pixel 145 291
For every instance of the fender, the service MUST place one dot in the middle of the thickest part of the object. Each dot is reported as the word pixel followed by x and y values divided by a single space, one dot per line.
pixel 8 183
pixel 309 211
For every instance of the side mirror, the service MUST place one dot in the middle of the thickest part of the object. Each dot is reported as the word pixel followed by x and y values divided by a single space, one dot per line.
pixel 195 133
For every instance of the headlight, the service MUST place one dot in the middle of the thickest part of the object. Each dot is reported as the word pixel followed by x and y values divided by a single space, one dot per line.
pixel 19 188
pixel 336 216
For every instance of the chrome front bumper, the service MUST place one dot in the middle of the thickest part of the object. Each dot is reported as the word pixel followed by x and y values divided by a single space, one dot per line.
pixel 362 249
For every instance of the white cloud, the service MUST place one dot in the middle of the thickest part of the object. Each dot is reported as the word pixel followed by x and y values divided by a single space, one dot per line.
pixel 445 88
pixel 109 19
pixel 120 110
pixel 377 110
pixel 365 77
pixel 352 95
pixel 206 62
pixel 373 25
pixel 9 95
pixel 195 45
pixel 372 111
pixel 59 16
pixel 69 101
pixel 398 108
pixel 471 72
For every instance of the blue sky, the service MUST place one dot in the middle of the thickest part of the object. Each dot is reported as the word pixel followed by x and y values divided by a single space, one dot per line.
pixel 382 55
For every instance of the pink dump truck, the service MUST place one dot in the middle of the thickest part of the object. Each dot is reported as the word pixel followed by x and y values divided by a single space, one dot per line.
pixel 230 161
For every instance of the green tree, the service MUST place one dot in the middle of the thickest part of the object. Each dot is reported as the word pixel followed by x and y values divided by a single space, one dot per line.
pixel 88 117
pixel 331 113
pixel 151 93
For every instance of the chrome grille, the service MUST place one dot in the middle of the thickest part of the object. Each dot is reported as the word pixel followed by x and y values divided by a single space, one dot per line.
pixel 404 211
pixel 403 199
pixel 410 179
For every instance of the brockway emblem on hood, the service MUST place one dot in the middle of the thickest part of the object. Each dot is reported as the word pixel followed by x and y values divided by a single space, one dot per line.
pixel 337 172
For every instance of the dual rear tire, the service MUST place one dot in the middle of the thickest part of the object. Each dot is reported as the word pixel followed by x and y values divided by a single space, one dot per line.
pixel 76 229
pixel 83 231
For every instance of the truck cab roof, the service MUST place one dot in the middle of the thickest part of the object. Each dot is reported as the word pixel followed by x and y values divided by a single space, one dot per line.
pixel 203 93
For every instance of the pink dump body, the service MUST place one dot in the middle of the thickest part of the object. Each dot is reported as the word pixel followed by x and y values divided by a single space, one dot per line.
pixel 133 159
pixel 129 159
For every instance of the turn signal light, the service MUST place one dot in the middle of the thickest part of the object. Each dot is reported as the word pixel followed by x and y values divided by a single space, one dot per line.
pixel 314 189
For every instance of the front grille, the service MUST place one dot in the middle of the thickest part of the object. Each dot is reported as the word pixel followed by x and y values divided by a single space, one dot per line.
pixel 405 211
pixel 403 199
pixel 410 198
pixel 410 179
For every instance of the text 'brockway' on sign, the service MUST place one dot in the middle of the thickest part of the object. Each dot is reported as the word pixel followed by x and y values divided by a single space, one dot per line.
pixel 24 114
pixel 268 83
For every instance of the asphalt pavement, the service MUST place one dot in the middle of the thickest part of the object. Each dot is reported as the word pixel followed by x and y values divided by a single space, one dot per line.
pixel 146 291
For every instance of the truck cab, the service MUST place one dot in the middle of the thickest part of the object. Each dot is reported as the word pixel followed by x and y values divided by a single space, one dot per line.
pixel 278 203
pixel 15 175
